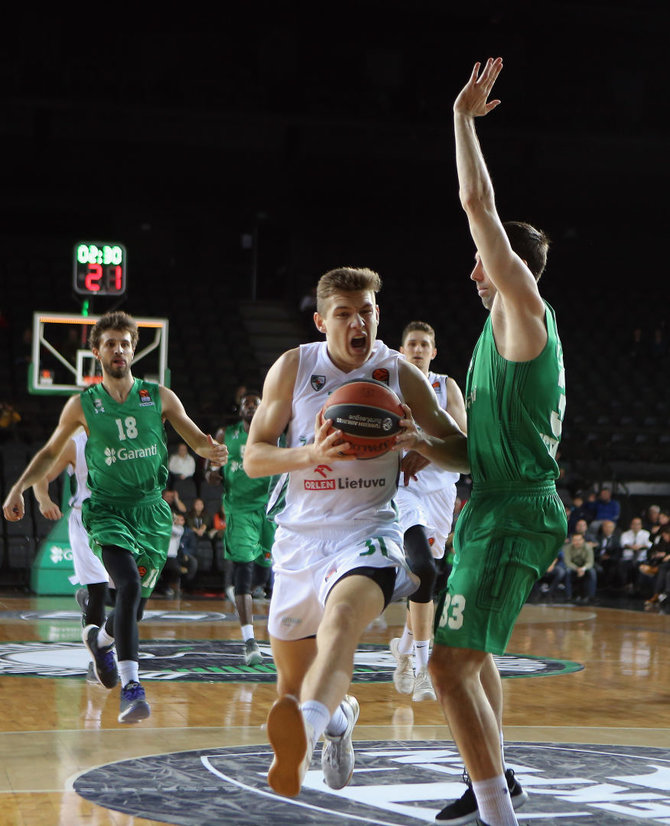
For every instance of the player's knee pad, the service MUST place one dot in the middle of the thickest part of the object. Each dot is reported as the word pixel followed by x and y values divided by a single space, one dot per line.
pixel 421 562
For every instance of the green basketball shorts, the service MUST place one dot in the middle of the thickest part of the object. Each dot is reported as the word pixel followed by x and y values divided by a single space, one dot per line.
pixel 249 537
pixel 505 539
pixel 143 529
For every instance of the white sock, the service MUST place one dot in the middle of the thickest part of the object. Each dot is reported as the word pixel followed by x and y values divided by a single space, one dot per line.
pixel 421 654
pixel 129 671
pixel 104 640
pixel 337 724
pixel 494 801
pixel 317 715
pixel 406 642
pixel 247 632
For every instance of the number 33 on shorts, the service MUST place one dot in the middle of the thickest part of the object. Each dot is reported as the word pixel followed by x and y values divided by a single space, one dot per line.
pixel 452 611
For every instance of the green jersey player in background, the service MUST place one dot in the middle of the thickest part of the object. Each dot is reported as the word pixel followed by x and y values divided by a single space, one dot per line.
pixel 249 533
pixel 126 518
pixel 513 523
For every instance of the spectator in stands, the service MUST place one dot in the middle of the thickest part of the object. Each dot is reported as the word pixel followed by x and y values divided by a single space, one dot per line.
pixel 218 524
pixel 583 527
pixel 198 520
pixel 606 508
pixel 579 510
pixel 553 577
pixel 607 553
pixel 635 543
pixel 172 498
pixel 181 564
pixel 660 597
pixel 651 519
pixel 182 464
pixel 581 572
pixel 656 530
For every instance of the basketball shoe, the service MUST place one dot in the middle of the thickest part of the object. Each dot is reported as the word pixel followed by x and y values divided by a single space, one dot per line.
pixel 104 660
pixel 134 706
pixel 403 676
pixel 252 653
pixel 465 810
pixel 337 757
pixel 291 739
pixel 423 687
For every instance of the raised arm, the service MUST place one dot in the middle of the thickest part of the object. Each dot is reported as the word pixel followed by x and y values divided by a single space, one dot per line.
pixel 440 439
pixel 509 274
pixel 262 456
pixel 201 443
pixel 43 461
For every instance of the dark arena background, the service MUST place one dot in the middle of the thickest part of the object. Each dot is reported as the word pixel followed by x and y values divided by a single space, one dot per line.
pixel 236 153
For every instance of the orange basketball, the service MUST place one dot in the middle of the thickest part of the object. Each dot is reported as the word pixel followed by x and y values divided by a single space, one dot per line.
pixel 368 413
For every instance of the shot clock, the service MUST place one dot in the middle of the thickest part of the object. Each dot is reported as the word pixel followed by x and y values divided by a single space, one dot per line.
pixel 99 268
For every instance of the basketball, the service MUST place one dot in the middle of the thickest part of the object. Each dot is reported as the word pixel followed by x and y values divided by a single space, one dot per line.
pixel 368 413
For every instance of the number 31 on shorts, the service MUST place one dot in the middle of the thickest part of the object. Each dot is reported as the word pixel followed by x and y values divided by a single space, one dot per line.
pixel 452 611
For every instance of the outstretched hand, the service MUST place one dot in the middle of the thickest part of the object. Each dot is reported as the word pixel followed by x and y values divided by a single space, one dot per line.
pixel 473 98
pixel 216 453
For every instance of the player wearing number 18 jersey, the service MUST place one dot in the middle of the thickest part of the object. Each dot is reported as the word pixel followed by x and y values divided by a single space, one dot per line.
pixel 126 454
pixel 128 522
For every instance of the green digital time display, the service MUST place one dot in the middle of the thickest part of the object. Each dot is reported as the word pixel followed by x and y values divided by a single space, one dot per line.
pixel 99 268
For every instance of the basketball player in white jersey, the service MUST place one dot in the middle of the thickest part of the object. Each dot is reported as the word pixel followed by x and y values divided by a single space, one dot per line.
pixel 88 569
pixel 426 505
pixel 338 557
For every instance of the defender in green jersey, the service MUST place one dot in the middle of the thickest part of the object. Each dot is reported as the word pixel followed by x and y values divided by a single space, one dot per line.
pixel 126 518
pixel 514 523
pixel 249 533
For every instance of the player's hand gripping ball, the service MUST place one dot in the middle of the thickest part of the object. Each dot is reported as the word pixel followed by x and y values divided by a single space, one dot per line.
pixel 368 413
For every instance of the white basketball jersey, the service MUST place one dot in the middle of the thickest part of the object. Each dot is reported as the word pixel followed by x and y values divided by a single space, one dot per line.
pixel 433 477
pixel 351 497
pixel 80 470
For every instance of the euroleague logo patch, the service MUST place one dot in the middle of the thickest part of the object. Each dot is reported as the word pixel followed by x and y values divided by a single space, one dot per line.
pixel 381 374
pixel 145 398
pixel 403 783
pixel 223 661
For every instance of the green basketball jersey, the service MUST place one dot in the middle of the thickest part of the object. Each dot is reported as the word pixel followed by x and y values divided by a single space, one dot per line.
pixel 126 450
pixel 240 492
pixel 515 410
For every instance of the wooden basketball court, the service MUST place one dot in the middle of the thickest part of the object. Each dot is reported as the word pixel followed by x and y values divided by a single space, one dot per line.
pixel 53 729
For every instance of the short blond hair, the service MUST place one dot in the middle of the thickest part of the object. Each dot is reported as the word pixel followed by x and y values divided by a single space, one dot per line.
pixel 420 327
pixel 345 279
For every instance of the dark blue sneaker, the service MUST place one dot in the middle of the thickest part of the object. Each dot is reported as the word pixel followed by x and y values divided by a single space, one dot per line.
pixel 134 706
pixel 104 660
pixel 465 810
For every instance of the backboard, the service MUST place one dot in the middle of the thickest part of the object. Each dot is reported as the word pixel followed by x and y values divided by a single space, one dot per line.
pixel 62 363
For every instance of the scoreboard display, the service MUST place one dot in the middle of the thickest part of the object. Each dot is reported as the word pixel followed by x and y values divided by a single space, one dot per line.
pixel 99 268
